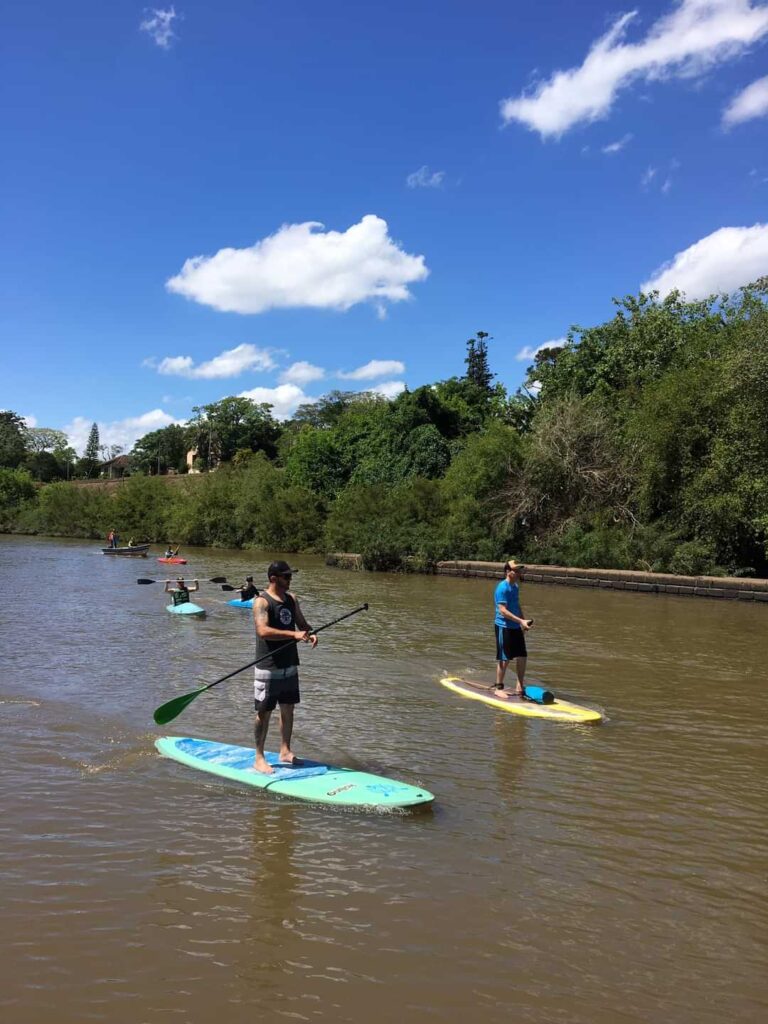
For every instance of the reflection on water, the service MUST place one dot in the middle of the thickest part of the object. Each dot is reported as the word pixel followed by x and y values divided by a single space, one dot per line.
pixel 566 873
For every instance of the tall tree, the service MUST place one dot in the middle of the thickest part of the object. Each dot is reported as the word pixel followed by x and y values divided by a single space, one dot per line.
pixel 478 371
pixel 92 445
pixel 13 445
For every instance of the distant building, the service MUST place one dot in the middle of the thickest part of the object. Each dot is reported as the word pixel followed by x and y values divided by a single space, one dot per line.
pixel 116 468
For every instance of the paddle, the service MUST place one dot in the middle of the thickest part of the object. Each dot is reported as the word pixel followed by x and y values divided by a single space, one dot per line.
pixel 214 579
pixel 168 711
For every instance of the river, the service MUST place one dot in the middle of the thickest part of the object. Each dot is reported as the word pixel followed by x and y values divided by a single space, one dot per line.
pixel 565 874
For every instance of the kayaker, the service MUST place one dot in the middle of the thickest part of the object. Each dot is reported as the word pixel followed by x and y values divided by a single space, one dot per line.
pixel 180 591
pixel 510 626
pixel 169 553
pixel 278 620
pixel 248 590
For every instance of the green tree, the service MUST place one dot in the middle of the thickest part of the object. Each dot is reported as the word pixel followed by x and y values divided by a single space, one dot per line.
pixel 220 429
pixel 13 445
pixel 161 450
pixel 478 371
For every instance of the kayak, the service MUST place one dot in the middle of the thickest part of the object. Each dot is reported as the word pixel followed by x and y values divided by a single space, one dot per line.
pixel 188 608
pixel 557 711
pixel 237 603
pixel 309 780
pixel 173 561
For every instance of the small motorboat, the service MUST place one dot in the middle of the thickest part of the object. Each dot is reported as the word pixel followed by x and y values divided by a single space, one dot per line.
pixel 133 551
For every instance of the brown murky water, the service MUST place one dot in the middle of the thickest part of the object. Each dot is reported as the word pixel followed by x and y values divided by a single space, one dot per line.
pixel 586 875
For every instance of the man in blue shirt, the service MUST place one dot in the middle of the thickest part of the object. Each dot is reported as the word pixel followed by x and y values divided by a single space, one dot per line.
pixel 510 627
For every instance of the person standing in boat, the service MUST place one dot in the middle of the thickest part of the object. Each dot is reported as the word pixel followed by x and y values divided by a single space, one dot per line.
pixel 510 627
pixel 280 625
pixel 248 589
pixel 180 591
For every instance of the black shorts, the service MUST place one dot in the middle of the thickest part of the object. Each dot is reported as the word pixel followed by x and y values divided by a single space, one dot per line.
pixel 510 643
pixel 280 686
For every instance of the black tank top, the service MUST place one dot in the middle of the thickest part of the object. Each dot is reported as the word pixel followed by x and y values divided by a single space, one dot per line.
pixel 280 615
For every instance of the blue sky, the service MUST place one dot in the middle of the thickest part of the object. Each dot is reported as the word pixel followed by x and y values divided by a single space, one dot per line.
pixel 202 199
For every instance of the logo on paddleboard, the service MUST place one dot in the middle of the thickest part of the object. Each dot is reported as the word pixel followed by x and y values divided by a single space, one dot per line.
pixel 285 616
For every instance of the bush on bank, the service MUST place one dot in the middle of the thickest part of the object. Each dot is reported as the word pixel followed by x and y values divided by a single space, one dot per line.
pixel 641 442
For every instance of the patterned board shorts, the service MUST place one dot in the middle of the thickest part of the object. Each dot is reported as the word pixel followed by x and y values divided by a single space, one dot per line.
pixel 275 686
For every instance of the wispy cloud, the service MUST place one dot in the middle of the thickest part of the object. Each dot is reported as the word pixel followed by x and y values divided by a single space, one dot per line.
pixel 302 266
pixel 719 263
pixel 648 177
pixel 158 24
pixel 231 363
pixel 750 103
pixel 616 147
pixel 375 368
pixel 694 37
pixel 529 352
pixel 424 178
pixel 301 373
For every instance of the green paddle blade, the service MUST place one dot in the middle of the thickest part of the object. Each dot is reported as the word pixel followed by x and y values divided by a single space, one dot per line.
pixel 173 708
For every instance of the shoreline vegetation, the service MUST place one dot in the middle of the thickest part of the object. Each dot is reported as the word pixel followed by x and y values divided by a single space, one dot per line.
pixel 640 444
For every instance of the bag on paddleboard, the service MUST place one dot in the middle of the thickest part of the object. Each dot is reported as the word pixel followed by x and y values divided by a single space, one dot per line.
pixel 539 695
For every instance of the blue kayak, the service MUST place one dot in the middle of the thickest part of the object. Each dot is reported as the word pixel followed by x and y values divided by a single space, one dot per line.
pixel 188 608
pixel 309 780
pixel 237 603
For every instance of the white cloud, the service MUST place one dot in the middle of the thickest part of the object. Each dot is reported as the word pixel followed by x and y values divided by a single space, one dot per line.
pixel 31 421
pixel 284 399
pixel 529 352
pixel 616 147
pixel 301 266
pixel 749 103
pixel 685 43
pixel 123 432
pixel 159 25
pixel 230 363
pixel 423 178
pixel 648 177
pixel 721 262
pixel 375 368
pixel 389 388
pixel 301 373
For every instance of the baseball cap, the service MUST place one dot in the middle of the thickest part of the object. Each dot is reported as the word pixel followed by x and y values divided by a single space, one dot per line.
pixel 279 568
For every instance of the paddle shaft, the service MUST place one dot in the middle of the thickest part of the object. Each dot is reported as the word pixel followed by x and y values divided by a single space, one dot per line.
pixel 168 711
pixel 214 579
pixel 282 647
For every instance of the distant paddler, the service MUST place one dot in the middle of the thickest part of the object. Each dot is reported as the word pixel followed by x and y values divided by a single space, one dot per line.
pixel 248 590
pixel 179 590
pixel 510 626
pixel 170 553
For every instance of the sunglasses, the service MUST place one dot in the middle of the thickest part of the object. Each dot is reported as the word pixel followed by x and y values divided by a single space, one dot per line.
pixel 286 576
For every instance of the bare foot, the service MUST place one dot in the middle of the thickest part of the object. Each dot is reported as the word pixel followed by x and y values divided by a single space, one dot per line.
pixel 260 765
pixel 519 693
pixel 501 694
pixel 286 757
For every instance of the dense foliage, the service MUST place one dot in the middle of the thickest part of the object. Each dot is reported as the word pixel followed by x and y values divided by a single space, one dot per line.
pixel 639 443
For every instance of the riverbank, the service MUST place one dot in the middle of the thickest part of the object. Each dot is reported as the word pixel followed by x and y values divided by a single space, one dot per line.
pixel 719 587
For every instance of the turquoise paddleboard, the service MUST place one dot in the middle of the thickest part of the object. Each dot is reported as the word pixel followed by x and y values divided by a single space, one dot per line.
pixel 237 603
pixel 188 608
pixel 311 780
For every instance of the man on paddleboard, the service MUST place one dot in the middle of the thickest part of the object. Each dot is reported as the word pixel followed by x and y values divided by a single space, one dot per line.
pixel 279 621
pixel 248 589
pixel 510 627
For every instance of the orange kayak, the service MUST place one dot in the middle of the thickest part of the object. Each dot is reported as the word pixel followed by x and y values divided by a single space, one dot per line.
pixel 173 561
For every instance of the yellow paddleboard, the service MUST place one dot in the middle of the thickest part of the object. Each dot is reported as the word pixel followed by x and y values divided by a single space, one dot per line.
pixel 559 711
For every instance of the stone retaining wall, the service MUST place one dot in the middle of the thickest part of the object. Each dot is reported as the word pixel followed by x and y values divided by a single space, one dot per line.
pixel 724 587
pixel 735 588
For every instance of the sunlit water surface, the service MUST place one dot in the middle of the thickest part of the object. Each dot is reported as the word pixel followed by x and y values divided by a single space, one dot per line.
pixel 576 874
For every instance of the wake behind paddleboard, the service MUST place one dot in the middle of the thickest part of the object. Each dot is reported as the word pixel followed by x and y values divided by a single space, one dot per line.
pixel 310 780
pixel 558 711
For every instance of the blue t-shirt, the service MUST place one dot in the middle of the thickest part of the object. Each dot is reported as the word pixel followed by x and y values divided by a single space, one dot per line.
pixel 508 594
